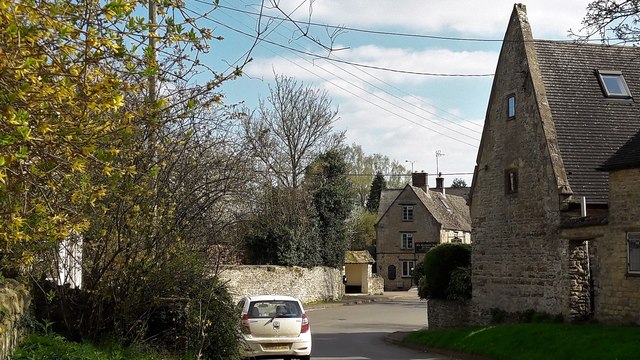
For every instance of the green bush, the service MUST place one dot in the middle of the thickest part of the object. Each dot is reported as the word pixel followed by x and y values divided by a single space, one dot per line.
pixel 178 308
pixel 418 273
pixel 439 263
pixel 460 284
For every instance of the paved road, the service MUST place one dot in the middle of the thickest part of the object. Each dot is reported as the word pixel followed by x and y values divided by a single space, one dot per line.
pixel 356 332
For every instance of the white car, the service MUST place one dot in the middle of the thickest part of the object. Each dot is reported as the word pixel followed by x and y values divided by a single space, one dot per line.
pixel 275 326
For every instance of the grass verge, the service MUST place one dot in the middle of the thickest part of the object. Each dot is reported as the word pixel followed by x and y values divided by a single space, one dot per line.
pixel 54 347
pixel 536 341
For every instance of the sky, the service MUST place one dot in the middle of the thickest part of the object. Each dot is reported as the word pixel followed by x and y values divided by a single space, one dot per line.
pixel 395 100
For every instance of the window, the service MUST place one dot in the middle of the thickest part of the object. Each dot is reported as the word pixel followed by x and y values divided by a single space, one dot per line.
pixel 407 241
pixel 274 308
pixel 613 84
pixel 511 181
pixel 633 252
pixel 407 212
pixel 511 106
pixel 407 268
pixel 446 206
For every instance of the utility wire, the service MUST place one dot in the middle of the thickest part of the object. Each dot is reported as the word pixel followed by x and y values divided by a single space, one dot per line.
pixel 394 96
pixel 400 34
pixel 329 58
pixel 364 99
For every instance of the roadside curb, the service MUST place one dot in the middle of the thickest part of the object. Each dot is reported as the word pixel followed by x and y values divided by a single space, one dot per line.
pixel 344 302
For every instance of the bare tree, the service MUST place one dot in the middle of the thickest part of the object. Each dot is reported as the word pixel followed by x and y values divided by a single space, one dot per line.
pixel 290 129
pixel 611 21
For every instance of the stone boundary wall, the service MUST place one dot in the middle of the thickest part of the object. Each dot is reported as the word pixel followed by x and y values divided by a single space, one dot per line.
pixel 14 307
pixel 376 284
pixel 443 314
pixel 306 284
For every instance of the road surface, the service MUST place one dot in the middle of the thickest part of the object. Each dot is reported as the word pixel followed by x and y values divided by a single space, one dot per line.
pixel 357 332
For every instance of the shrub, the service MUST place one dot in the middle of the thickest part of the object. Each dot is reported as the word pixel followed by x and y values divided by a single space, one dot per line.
pixel 439 263
pixel 178 308
pixel 460 284
pixel 418 273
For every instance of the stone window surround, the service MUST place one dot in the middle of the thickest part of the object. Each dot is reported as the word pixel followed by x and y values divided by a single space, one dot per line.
pixel 408 265
pixel 633 236
pixel 406 240
pixel 511 181
pixel 511 106
pixel 407 212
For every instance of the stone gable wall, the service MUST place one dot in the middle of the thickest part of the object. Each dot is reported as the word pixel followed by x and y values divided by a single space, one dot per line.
pixel 388 238
pixel 308 285
pixel 519 262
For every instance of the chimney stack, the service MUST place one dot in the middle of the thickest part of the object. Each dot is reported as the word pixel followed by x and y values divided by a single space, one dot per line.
pixel 440 184
pixel 439 181
pixel 419 179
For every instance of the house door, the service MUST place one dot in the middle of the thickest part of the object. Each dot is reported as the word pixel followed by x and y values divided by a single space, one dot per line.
pixel 581 294
pixel 391 272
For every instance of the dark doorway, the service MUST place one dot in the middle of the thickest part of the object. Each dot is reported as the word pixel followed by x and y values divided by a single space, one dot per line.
pixel 391 272
pixel 353 289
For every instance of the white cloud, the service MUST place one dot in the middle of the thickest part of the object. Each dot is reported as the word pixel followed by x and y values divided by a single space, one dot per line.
pixel 468 17
pixel 413 135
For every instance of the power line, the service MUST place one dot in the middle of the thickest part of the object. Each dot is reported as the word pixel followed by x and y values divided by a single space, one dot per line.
pixel 398 34
pixel 397 97
pixel 367 100
pixel 421 100
pixel 408 72
pixel 332 59
pixel 366 90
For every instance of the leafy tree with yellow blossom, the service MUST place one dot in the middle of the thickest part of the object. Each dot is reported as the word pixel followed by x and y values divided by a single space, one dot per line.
pixel 95 102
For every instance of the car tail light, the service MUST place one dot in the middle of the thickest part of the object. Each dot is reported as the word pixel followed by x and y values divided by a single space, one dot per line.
pixel 245 324
pixel 305 324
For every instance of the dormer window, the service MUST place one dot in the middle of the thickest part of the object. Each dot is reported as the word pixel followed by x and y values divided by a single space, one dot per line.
pixel 613 84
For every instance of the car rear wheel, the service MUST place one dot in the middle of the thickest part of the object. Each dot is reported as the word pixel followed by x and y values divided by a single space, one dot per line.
pixel 307 357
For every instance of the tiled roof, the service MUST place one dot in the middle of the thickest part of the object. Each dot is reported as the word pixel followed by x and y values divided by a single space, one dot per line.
pixel 590 127
pixel 387 197
pixel 463 192
pixel 449 210
pixel 358 257
pixel 627 157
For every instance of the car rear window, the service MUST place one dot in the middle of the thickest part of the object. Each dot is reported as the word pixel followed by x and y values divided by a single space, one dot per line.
pixel 274 308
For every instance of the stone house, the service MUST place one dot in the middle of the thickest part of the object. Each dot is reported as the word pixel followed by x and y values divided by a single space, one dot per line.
pixel 539 206
pixel 413 222
pixel 618 251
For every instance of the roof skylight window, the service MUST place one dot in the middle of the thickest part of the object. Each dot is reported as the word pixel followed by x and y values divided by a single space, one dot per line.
pixel 613 84
pixel 446 206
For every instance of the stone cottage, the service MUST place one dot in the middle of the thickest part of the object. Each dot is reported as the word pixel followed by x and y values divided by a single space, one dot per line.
pixel 557 111
pixel 413 222
pixel 617 272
